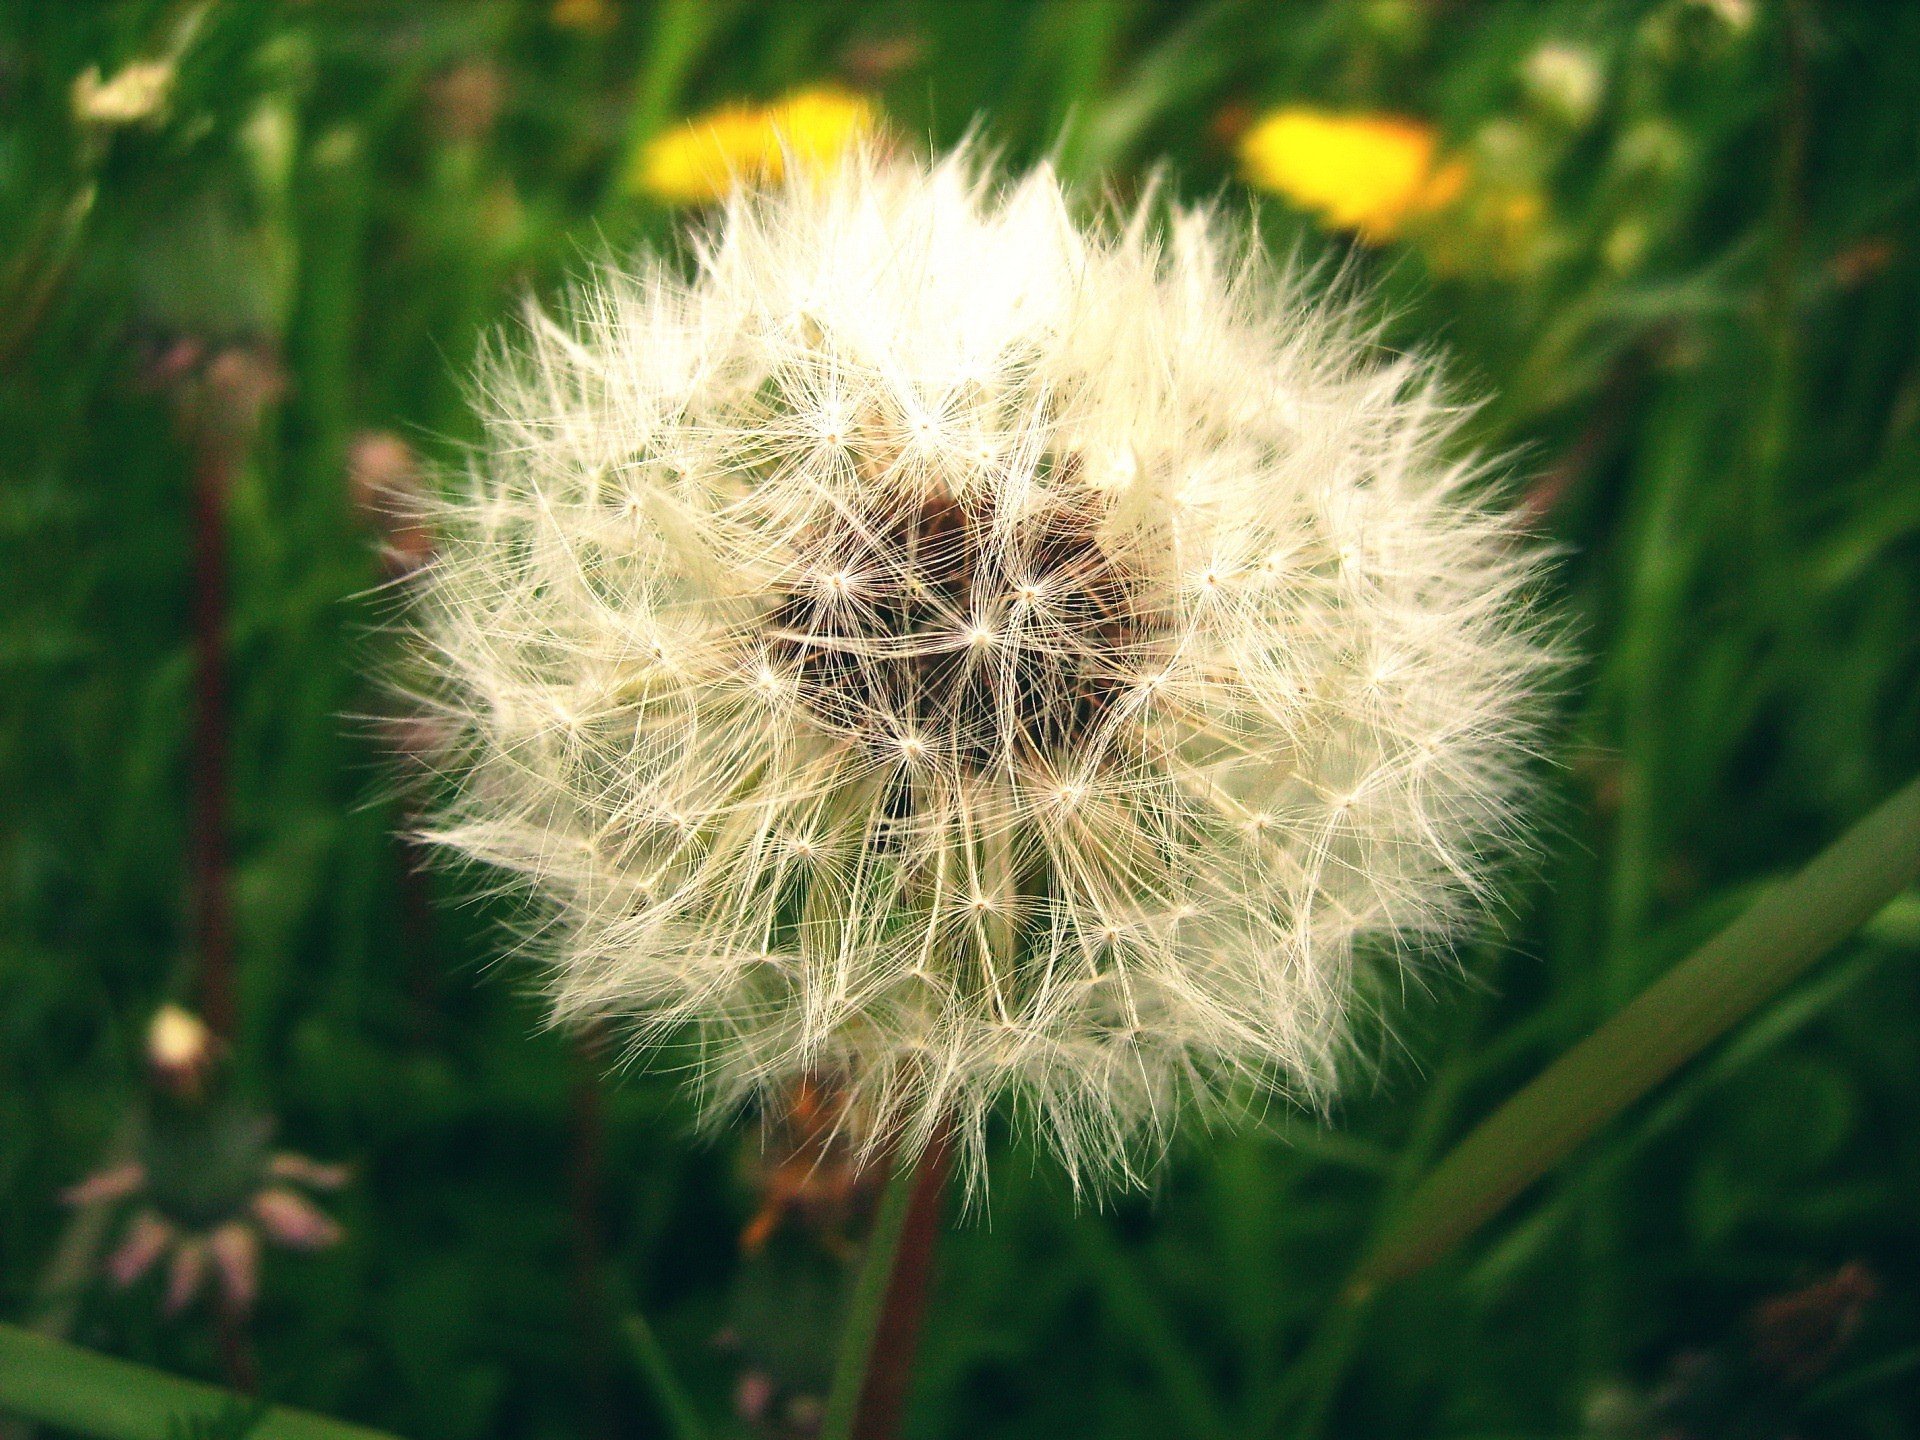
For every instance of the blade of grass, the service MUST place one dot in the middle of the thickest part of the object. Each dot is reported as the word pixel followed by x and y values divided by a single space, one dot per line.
pixel 1313 1384
pixel 1185 65
pixel 1492 1271
pixel 1696 1002
pixel 59 1384
pixel 681 30
pixel 650 1357
pixel 1134 1307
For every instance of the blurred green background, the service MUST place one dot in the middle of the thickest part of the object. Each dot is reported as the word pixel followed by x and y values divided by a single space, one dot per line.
pixel 1686 269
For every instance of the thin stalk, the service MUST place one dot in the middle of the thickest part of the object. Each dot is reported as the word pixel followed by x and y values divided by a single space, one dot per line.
pixel 1132 1304
pixel 63 1283
pixel 680 31
pixel 586 1167
pixel 1693 1004
pixel 1322 1369
pixel 237 1355
pixel 54 1383
pixel 875 1364
pixel 650 1357
pixel 1779 298
pixel 883 1399
pixel 214 462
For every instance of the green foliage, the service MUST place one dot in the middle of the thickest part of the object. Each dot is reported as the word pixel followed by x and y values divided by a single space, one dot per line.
pixel 71 1387
pixel 1705 358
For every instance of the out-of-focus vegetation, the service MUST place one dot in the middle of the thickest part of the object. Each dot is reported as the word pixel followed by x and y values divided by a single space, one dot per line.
pixel 258 244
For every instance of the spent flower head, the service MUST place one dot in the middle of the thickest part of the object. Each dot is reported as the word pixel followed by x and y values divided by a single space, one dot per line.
pixel 209 1189
pixel 965 653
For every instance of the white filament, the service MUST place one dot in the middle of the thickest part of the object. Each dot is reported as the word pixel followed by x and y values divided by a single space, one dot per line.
pixel 1310 753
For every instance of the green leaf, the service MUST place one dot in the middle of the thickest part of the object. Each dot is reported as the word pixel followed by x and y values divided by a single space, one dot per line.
pixel 1695 1003
pixel 54 1383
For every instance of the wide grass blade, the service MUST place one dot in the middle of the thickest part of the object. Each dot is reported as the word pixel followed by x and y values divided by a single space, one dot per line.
pixel 1700 999
pixel 54 1383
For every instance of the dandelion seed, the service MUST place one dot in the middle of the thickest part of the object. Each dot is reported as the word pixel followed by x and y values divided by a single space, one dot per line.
pixel 1088 790
pixel 208 1188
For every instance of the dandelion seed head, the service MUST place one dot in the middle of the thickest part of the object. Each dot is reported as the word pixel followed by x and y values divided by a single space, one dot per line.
pixel 976 657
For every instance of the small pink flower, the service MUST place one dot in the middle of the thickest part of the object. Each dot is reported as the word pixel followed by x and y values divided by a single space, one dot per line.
pixel 235 1248
pixel 112 1184
pixel 147 1239
pixel 184 1274
pixel 290 1218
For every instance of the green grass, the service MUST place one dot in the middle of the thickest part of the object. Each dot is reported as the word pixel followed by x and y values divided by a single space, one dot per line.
pixel 1712 364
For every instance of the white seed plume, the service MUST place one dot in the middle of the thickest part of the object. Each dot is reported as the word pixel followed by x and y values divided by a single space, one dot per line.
pixel 965 654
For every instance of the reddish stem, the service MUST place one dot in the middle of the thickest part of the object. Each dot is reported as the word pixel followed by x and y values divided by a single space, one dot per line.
pixel 213 466
pixel 883 1399
pixel 236 1348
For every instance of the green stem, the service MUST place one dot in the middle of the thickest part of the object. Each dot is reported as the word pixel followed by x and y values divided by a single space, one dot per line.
pixel 1700 999
pixel 55 1383
pixel 676 1406
pixel 1134 1306
pixel 681 28
pixel 1317 1379
pixel 911 1193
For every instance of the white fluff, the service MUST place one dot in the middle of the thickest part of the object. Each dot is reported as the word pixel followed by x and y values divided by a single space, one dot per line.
pixel 1018 845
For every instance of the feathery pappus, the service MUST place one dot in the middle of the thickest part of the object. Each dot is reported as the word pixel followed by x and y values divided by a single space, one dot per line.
pixel 932 643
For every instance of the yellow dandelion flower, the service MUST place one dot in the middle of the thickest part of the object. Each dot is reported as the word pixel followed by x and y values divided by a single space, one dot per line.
pixel 703 158
pixel 821 122
pixel 700 159
pixel 1370 174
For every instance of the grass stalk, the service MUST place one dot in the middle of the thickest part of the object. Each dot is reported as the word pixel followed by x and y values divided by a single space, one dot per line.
pixel 1784 932
pixel 650 1358
pixel 586 1194
pixel 215 461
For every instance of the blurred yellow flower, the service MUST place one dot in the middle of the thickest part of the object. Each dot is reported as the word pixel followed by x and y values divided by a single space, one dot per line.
pixel 703 158
pixel 1370 174
pixel 593 17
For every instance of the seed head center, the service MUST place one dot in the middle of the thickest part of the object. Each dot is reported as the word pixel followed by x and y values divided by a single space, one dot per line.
pixel 987 637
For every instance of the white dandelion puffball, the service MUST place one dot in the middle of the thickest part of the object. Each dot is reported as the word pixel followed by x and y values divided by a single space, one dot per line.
pixel 930 644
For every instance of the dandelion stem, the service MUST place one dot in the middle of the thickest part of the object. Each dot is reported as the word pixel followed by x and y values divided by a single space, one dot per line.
pixel 875 1364
pixel 237 1356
